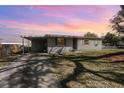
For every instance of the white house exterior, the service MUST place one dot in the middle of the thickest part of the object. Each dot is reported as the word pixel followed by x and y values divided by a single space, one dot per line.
pixel 63 43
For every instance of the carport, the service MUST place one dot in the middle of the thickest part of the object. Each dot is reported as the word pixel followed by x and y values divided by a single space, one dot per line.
pixel 38 44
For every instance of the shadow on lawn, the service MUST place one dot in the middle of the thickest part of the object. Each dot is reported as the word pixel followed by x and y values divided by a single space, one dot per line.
pixel 107 75
pixel 32 74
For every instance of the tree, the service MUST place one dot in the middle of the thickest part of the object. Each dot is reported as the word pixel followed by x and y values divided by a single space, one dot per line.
pixel 90 35
pixel 111 39
pixel 118 21
pixel 118 25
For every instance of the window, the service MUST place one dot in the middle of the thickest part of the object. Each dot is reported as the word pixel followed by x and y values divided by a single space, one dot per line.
pixel 96 43
pixel 86 42
pixel 60 41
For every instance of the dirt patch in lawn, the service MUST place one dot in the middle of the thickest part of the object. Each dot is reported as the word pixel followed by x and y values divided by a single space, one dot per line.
pixel 116 58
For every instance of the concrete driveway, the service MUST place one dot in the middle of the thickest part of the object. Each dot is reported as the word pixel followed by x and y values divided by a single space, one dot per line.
pixel 29 71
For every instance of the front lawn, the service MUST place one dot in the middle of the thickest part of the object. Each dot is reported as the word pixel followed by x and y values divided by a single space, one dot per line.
pixel 4 61
pixel 90 69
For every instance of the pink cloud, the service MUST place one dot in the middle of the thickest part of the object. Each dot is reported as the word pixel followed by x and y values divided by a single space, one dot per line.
pixel 73 26
pixel 54 15
pixel 103 13
pixel 75 9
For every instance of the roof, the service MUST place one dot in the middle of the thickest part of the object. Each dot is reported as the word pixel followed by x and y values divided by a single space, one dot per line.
pixel 92 38
pixel 11 43
pixel 66 36
pixel 54 35
pixel 34 37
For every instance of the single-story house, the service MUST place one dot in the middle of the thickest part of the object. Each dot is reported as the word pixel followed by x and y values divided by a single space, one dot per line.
pixel 62 43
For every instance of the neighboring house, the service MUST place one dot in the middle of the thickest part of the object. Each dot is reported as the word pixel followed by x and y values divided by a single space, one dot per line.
pixel 10 48
pixel 120 45
pixel 63 43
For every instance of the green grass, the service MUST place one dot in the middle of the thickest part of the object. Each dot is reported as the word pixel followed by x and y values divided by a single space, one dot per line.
pixel 91 72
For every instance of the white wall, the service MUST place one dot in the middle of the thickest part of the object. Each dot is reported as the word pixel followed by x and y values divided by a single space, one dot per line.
pixel 90 46
pixel 52 48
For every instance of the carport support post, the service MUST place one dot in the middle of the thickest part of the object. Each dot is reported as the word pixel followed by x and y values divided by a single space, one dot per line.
pixel 23 49
pixel 28 46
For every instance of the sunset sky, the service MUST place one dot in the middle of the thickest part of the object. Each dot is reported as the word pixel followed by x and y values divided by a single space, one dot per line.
pixel 65 20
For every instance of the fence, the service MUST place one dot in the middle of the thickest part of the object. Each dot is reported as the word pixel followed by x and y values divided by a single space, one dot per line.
pixel 109 47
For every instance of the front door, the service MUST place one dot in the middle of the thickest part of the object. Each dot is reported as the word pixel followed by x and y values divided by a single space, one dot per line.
pixel 74 43
pixel 44 46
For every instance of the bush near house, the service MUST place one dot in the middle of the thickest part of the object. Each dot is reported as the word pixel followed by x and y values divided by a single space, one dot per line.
pixel 10 49
pixel 8 53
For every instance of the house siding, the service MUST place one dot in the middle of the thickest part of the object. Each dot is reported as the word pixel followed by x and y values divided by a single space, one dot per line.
pixel 53 48
pixel 90 46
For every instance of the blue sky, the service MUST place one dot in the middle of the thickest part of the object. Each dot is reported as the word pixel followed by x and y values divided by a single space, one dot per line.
pixel 39 20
